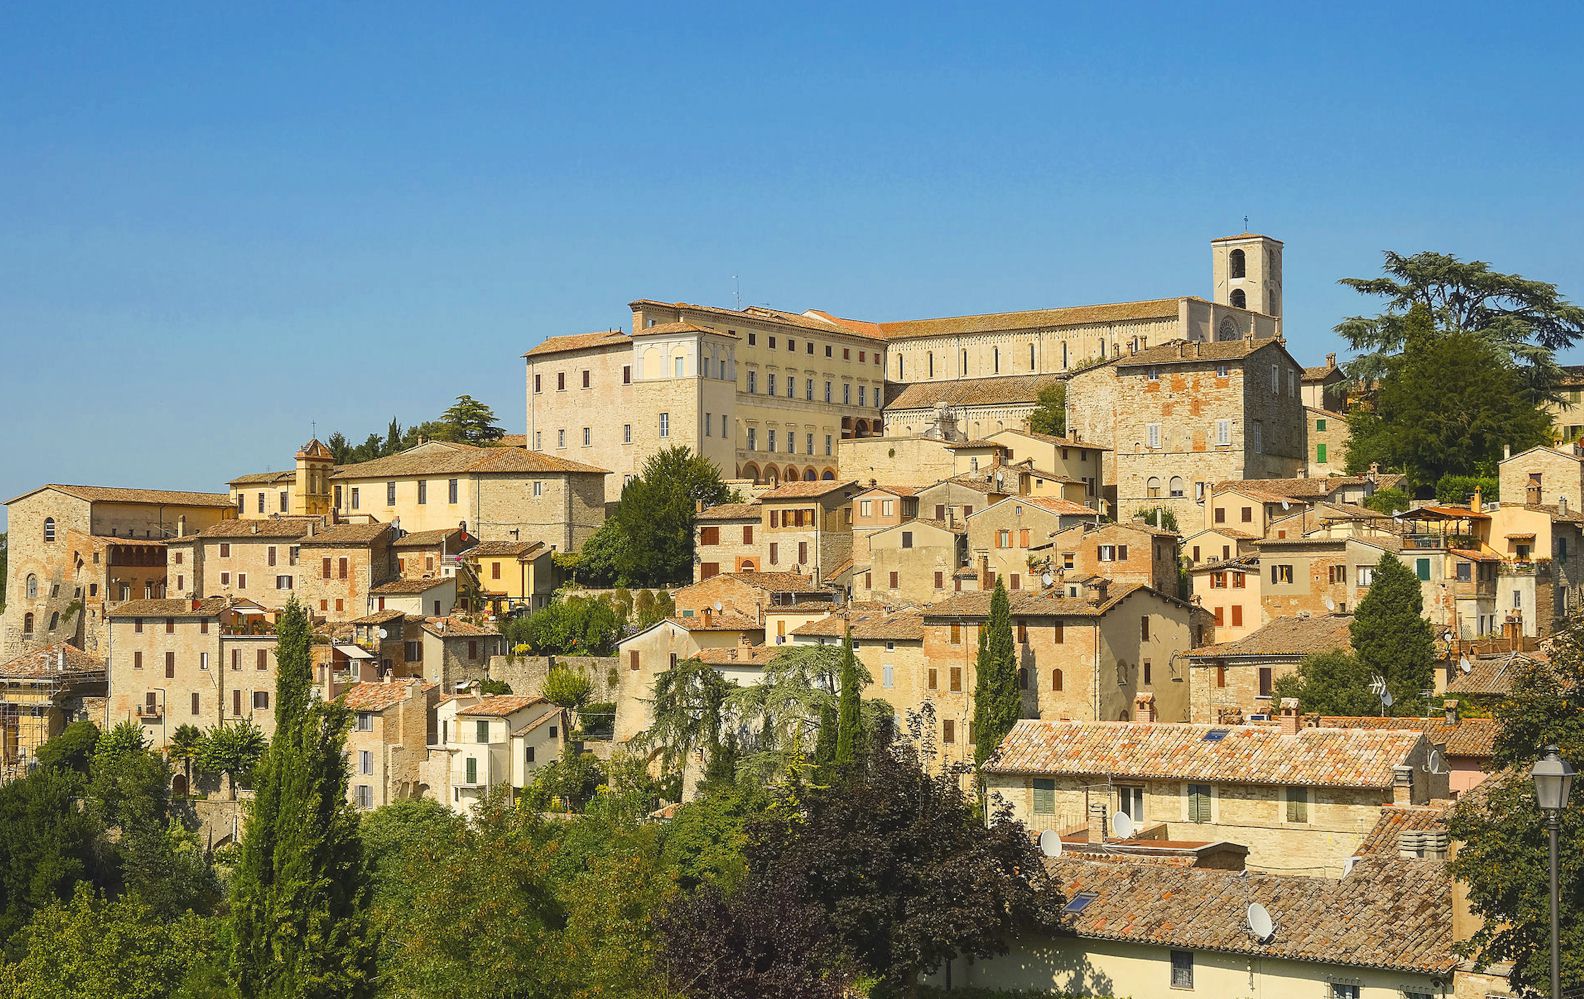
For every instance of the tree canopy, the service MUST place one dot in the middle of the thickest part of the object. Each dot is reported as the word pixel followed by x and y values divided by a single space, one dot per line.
pixel 1391 637
pixel 1523 320
pixel 655 517
pixel 1331 683
pixel 1050 411
pixel 1444 405
pixel 467 421
pixel 998 700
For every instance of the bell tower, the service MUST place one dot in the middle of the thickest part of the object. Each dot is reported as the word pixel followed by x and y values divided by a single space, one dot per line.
pixel 1246 272
pixel 311 497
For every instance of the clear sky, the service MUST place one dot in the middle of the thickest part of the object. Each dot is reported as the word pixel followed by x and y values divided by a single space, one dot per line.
pixel 222 222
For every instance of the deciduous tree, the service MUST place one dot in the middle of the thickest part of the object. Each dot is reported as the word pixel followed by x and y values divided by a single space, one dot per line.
pixel 1050 411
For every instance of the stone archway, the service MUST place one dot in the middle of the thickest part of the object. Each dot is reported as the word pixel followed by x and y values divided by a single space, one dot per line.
pixel 810 475
pixel 749 471
pixel 829 474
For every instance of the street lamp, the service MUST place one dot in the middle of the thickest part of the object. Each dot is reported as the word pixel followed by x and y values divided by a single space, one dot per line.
pixel 1553 781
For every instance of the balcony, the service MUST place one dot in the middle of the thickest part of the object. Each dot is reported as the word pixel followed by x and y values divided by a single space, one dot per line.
pixel 150 712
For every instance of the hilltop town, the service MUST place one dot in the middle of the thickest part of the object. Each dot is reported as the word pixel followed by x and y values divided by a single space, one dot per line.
pixel 1121 575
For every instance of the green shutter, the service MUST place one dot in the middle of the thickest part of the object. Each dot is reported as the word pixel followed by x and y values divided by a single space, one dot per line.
pixel 1198 803
pixel 1423 566
pixel 472 770
pixel 1297 804
pixel 1044 796
pixel 1320 425
pixel 1320 451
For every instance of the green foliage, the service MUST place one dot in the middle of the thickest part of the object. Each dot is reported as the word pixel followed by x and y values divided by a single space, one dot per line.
pixel 1388 501
pixel 47 844
pixel 1391 637
pixel 299 923
pixel 1050 411
pixel 1460 488
pixel 704 842
pixel 1504 856
pixel 997 699
pixel 127 783
pixel 1524 322
pixel 493 687
pixel 792 710
pixel 469 421
pixel 566 784
pixel 183 748
pixel 1445 405
pixel 566 687
pixel 686 708
pixel 72 749
pixel 401 841
pixel 598 719
pixel 580 626
pixel 1330 683
pixel 232 750
pixel 598 562
pixel 1157 516
pixel 656 514
pixel 88 946
pixel 849 718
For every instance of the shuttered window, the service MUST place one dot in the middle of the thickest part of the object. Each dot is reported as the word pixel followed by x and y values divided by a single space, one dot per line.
pixel 1297 804
pixel 1198 802
pixel 1044 796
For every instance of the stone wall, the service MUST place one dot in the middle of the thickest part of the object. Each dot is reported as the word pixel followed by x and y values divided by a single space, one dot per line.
pixel 526 674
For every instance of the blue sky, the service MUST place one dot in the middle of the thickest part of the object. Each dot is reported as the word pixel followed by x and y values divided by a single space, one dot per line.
pixel 221 222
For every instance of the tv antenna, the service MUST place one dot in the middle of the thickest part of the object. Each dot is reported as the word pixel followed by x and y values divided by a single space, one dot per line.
pixel 1050 843
pixel 737 292
pixel 1379 689
pixel 1261 927
pixel 1245 223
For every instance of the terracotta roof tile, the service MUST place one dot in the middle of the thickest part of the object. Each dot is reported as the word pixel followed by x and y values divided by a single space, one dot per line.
pixel 455 627
pixel 445 458
pixel 1286 636
pixel 1387 913
pixel 1384 837
pixel 724 621
pixel 426 539
pixel 806 490
pixel 578 341
pixel 1050 603
pixel 1313 487
pixel 379 696
pixel 408 587
pixel 347 534
pixel 497 548
pixel 501 705
pixel 774 582
pixel 756 655
pixel 899 626
pixel 244 529
pixel 1195 352
pixel 970 392
pixel 207 607
pixel 731 511
pixel 1078 315
pixel 1470 737
pixel 61 659
pixel 1245 754
pixel 118 494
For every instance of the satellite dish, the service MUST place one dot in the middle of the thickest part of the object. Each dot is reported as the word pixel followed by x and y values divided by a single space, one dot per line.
pixel 1446 636
pixel 1260 924
pixel 1122 825
pixel 1434 764
pixel 1386 699
pixel 1330 604
pixel 1465 665
pixel 1347 866
pixel 719 607
pixel 1047 578
pixel 1285 505
pixel 1050 843
pixel 385 632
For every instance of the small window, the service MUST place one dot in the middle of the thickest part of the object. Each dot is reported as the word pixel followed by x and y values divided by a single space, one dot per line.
pixel 49 528
pixel 1079 902
pixel 1044 796
pixel 1198 802
pixel 365 721
pixel 1182 964
pixel 1297 804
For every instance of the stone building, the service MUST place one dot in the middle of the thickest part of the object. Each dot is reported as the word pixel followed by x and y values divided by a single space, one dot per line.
pixel 912 563
pixel 1327 436
pixel 1229 591
pixel 877 508
pixel 1010 539
pixel 392 727
pixel 302 492
pixel 1181 416
pixel 890 644
pixel 1123 552
pixel 201 662
pixel 748 594
pixel 1324 386
pixel 807 526
pixel 1303 800
pixel 1237 677
pixel 726 538
pixel 1085 657
pixel 513 574
pixel 490 742
pixel 77 551
pixel 41 692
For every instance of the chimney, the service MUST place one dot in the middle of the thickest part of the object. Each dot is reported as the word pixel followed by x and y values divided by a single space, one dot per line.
pixel 1097 824
pixel 698 506
pixel 1450 706
pixel 313 526
pixel 1402 785
pixel 1506 451
pixel 1098 590
pixel 1289 716
pixel 1374 471
pixel 60 657
pixel 195 602
pixel 709 613
pixel 1410 844
pixel 253 528
pixel 744 642
pixel 1144 707
pixel 1182 349
pixel 1477 502
pixel 1198 349
pixel 1331 360
pixel 1562 504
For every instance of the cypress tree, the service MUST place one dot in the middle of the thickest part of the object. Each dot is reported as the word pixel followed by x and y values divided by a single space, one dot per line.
pixel 997 700
pixel 825 742
pixel 300 895
pixel 849 721
pixel 1391 636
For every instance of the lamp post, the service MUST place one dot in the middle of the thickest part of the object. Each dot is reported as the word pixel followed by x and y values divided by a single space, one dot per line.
pixel 1553 780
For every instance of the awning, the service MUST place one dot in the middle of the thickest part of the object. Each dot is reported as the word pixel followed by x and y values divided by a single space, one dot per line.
pixel 248 611
pixel 354 651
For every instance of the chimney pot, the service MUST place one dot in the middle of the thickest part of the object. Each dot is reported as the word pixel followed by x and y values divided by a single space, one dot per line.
pixel 1331 360
pixel 1144 707
pixel 1289 716
pixel 1097 824
pixel 1450 706
pixel 1506 451
pixel 1402 785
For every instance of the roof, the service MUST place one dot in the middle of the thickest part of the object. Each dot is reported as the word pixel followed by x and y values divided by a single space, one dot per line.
pixel 347 534
pixel 486 549
pixel 1049 603
pixel 717 622
pixel 545 719
pixel 399 587
pixel 379 617
pixel 1387 913
pixel 1286 636
pixel 449 458
pixel 208 607
pixel 894 490
pixel 1488 675
pixel 1195 352
pixel 578 341
pixel 773 582
pixel 898 626
pixel 426 539
pixel 1057 505
pixel 1245 754
pixel 455 627
pixel 814 321
pixel 1382 840
pixel 1078 315
pixel 501 705
pixel 671 329
pixel 806 490
pixel 379 696
pixel 46 662
pixel 117 494
pixel 263 478
pixel 1468 737
pixel 730 511
pixel 972 392
pixel 1051 439
pixel 237 528
pixel 1315 487
pixel 736 655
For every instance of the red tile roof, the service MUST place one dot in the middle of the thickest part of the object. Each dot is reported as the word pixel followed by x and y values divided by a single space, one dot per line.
pixel 61 659
pixel 578 341
pixel 144 497
pixel 501 705
pixel 1245 754
pixel 379 696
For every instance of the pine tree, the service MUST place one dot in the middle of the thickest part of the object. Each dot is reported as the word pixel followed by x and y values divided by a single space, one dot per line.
pixel 1392 638
pixel 300 894
pixel 849 721
pixel 997 700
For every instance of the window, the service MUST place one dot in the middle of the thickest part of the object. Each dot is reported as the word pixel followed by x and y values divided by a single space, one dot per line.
pixel 1044 796
pixel 283 582
pixel 626 375
pixel 560 381
pixel 538 489
pixel 472 771
pixel 888 676
pixel 752 439
pixel 1422 569
pixel 481 731
pixel 1182 960
pixel 1198 802
pixel 956 678
pixel 423 492
pixel 560 438
pixel 1320 453
pixel 753 381
pixel 1153 430
pixel 1365 574
pixel 1281 574
pixel 451 491
pixel 354 497
pixel 948 731
pixel 1056 679
pixel 665 424
pixel 260 700
pixel 1259 437
pixel 49 528
pixel 588 436
pixel 365 796
pixel 1297 804
pixel 365 762
pixel 365 721
pixel 263 659
pixel 1144 629
pixel 1343 990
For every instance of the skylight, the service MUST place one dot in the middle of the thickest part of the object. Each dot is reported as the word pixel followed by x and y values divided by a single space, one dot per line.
pixel 1216 734
pixel 1079 902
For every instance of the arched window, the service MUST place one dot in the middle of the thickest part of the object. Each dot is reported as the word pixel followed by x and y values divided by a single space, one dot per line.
pixel 49 528
pixel 1152 488
pixel 32 588
pixel 965 361
pixel 1056 679
pixel 1239 299
pixel 1228 330
pixel 828 475
pixel 899 367
pixel 27 624
pixel 1237 264
pixel 1177 485
pixel 54 620
pixel 1123 716
pixel 810 475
